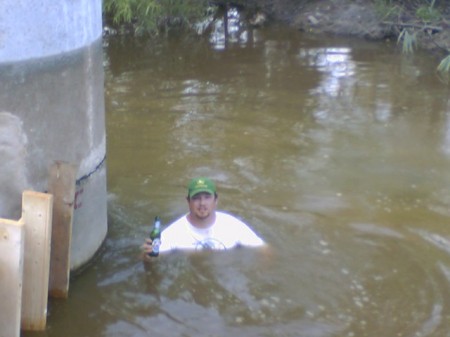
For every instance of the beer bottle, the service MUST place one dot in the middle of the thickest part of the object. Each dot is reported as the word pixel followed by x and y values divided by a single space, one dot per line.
pixel 155 235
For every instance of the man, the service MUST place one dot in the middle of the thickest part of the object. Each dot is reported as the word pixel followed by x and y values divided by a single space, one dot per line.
pixel 204 227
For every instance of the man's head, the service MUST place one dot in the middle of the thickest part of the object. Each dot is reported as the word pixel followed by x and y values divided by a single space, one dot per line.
pixel 202 201
pixel 201 184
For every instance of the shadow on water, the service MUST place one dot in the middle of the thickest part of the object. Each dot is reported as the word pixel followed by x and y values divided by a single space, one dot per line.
pixel 335 151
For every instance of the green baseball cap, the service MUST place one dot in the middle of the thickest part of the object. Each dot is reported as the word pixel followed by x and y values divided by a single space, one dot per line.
pixel 201 184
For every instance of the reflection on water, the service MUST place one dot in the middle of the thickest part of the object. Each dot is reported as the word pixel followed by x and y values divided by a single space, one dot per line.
pixel 335 151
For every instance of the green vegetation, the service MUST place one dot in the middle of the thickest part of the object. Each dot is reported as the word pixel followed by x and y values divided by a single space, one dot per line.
pixel 427 19
pixel 424 10
pixel 428 13
pixel 154 16
pixel 444 66
pixel 387 9
pixel 408 41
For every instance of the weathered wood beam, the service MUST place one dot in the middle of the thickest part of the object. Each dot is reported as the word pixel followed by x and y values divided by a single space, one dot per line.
pixel 12 237
pixel 62 186
pixel 37 217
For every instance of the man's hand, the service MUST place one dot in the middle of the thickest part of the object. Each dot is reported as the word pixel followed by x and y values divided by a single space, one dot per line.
pixel 147 248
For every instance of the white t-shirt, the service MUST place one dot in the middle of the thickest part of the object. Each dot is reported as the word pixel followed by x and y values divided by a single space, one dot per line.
pixel 227 232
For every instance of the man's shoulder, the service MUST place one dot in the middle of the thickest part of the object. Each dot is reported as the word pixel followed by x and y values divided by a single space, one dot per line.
pixel 223 217
pixel 245 234
pixel 177 224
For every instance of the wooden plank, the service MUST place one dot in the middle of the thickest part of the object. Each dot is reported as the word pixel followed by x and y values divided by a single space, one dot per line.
pixel 62 187
pixel 11 271
pixel 37 217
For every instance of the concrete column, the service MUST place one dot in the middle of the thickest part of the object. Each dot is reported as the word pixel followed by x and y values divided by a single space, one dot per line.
pixel 52 109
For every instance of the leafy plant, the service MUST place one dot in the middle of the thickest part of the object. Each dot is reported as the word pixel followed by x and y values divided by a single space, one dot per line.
pixel 428 13
pixel 386 9
pixel 444 66
pixel 153 15
pixel 408 41
pixel 121 10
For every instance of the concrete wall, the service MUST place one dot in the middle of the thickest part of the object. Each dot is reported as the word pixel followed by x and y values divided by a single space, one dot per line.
pixel 52 108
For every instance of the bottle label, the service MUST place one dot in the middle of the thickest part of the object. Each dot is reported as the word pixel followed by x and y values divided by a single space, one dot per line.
pixel 155 245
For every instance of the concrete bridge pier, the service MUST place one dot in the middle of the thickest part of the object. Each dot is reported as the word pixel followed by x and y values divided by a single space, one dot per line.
pixel 52 109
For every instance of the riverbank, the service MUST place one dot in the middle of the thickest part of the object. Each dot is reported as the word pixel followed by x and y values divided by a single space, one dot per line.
pixel 361 18
pixel 427 25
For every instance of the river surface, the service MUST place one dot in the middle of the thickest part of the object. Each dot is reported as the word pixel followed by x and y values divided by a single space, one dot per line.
pixel 336 151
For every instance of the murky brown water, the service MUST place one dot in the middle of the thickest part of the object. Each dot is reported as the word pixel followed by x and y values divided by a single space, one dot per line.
pixel 336 151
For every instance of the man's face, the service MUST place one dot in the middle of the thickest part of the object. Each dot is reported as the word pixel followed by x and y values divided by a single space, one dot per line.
pixel 202 205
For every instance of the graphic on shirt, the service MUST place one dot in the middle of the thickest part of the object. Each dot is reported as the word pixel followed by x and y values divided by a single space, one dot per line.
pixel 209 244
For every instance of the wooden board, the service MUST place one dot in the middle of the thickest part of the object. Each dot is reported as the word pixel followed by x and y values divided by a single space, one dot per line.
pixel 37 217
pixel 62 187
pixel 11 270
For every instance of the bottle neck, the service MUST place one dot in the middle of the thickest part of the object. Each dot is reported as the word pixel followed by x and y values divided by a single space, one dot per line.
pixel 157 223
